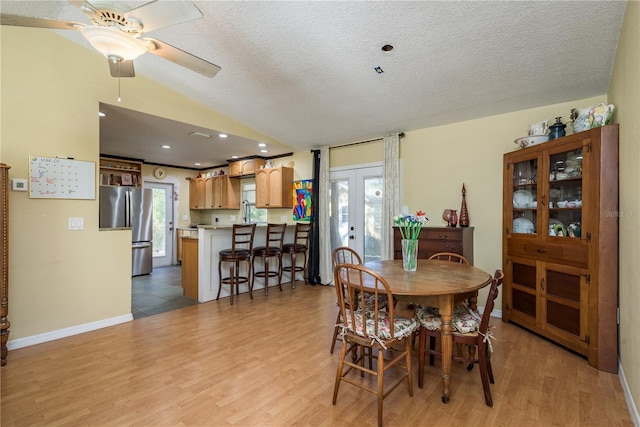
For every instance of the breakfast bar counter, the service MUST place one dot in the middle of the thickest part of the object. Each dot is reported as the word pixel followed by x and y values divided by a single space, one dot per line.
pixel 211 240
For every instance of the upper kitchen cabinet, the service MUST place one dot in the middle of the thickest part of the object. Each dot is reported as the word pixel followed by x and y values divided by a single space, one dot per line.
pixel 197 193
pixel 226 192
pixel 119 172
pixel 273 187
pixel 560 242
pixel 246 167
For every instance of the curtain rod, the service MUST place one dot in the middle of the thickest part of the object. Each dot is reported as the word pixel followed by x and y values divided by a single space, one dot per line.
pixel 401 135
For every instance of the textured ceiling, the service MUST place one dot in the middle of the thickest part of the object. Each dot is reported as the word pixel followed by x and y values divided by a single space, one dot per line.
pixel 303 72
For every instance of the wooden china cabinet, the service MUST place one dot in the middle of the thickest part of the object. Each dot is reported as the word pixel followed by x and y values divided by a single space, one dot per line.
pixel 560 242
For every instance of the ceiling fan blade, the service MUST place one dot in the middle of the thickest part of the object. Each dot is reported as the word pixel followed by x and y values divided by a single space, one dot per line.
pixel 121 69
pixel 26 21
pixel 159 14
pixel 181 57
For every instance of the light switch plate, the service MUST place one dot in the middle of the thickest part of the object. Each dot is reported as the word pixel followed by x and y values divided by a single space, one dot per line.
pixel 76 223
pixel 232 218
pixel 185 217
pixel 283 218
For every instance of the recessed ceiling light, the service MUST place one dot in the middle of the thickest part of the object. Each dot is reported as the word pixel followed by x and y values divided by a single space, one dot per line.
pixel 262 144
pixel 234 157
pixel 204 135
pixel 379 70
pixel 166 146
pixel 197 164
pixel 387 47
pixel 222 135
pixel 101 114
pixel 264 151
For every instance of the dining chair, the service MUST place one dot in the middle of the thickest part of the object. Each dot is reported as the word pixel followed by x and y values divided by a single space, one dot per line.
pixel 443 256
pixel 450 256
pixel 240 251
pixel 271 249
pixel 342 255
pixel 299 245
pixel 468 327
pixel 374 328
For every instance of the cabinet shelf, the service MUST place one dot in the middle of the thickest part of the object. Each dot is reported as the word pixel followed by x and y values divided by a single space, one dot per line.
pixel 118 172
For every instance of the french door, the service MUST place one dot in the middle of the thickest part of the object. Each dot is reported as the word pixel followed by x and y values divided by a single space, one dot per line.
pixel 356 209
pixel 163 234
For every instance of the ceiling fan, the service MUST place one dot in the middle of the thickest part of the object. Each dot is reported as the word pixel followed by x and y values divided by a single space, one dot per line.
pixel 117 31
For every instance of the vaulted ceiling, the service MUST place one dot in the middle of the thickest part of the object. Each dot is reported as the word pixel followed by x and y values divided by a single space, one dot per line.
pixel 304 72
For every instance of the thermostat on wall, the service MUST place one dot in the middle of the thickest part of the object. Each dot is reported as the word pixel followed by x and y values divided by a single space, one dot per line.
pixel 18 184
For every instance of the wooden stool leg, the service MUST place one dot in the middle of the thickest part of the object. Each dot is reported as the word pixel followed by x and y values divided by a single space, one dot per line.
pixel 279 261
pixel 219 279
pixel 249 283
pixel 266 275
pixel 232 278
pixel 293 270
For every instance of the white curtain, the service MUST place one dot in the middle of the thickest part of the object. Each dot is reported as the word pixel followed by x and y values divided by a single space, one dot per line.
pixel 391 194
pixel 326 270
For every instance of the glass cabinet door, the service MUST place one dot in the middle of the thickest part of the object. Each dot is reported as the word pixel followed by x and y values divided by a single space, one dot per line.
pixel 525 199
pixel 565 194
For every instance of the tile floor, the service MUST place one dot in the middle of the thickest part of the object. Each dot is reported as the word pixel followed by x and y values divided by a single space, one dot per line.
pixel 158 292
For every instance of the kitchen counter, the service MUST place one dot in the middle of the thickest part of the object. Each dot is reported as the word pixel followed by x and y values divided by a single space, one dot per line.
pixel 214 238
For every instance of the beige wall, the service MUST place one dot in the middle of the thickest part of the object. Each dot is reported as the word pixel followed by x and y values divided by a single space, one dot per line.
pixel 51 89
pixel 624 93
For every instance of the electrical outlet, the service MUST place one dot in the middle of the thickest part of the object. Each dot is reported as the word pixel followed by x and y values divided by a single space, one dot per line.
pixel 232 218
pixel 185 217
pixel 283 218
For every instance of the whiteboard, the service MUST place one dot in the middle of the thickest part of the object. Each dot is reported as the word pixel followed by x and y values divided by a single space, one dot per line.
pixel 59 178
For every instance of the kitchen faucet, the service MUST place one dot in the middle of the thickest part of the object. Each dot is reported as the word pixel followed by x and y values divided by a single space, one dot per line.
pixel 245 211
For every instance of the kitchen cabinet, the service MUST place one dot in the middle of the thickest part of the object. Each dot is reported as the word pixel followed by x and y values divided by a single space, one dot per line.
pixel 190 267
pixel 118 172
pixel 560 242
pixel 209 184
pixel 226 193
pixel 432 240
pixel 184 233
pixel 274 187
pixel 197 192
pixel 246 167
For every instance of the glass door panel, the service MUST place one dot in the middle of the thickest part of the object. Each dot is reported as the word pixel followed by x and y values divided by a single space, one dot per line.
pixel 356 210
pixel 162 223
pixel 525 198
pixel 565 194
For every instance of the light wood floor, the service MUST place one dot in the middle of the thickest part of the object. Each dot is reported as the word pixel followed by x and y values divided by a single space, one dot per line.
pixel 266 362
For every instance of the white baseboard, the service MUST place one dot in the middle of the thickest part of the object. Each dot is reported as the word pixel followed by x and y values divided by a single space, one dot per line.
pixel 633 410
pixel 67 332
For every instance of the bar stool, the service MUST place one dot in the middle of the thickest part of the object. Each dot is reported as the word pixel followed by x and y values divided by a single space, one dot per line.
pixel 241 249
pixel 299 246
pixel 272 249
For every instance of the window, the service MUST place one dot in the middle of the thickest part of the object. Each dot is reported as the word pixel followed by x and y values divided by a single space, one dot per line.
pixel 251 214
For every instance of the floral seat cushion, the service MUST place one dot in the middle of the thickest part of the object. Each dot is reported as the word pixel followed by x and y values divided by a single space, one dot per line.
pixel 464 321
pixel 402 326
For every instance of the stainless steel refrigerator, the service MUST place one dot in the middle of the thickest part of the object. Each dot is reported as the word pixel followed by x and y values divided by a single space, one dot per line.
pixel 122 207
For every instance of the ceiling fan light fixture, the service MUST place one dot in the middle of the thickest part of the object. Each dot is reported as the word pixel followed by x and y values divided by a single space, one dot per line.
pixel 113 43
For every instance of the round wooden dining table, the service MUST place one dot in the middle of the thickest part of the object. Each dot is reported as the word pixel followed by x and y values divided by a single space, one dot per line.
pixel 435 283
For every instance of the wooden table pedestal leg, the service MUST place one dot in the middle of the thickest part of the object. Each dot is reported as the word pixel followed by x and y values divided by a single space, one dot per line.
pixel 446 313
